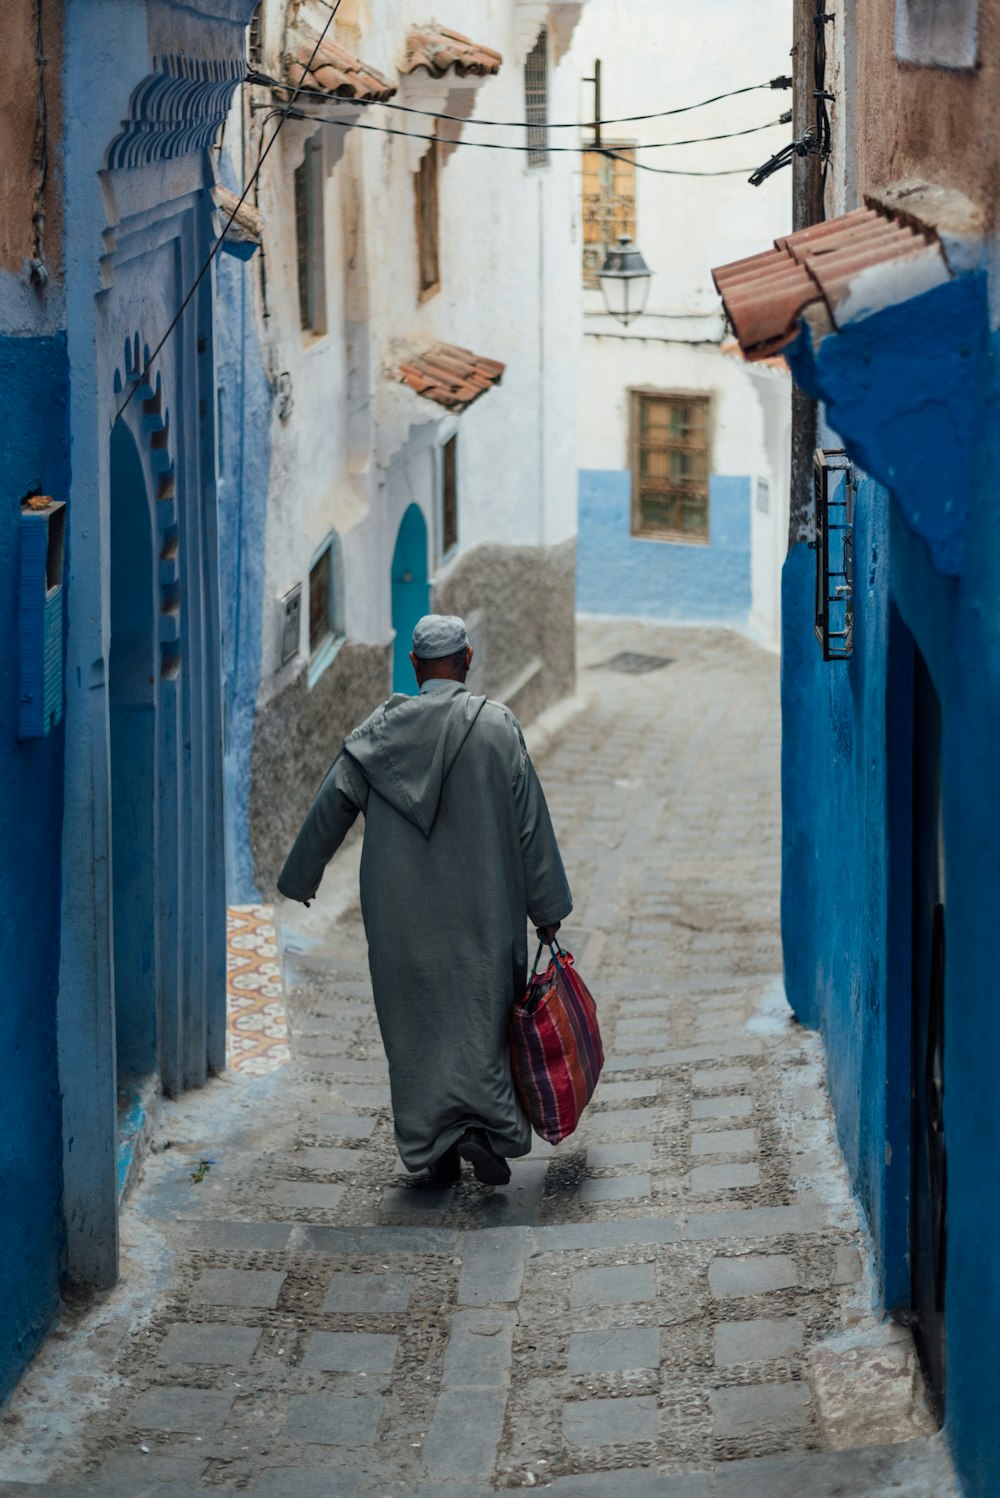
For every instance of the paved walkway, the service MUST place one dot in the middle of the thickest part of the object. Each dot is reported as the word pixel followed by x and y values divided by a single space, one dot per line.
pixel 674 1302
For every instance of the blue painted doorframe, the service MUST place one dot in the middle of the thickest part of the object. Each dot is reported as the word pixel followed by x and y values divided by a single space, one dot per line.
pixel 410 593
pixel 132 702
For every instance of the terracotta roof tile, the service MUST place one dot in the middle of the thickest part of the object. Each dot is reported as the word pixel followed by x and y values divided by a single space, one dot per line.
pixel 334 70
pixel 854 264
pixel 437 49
pixel 452 376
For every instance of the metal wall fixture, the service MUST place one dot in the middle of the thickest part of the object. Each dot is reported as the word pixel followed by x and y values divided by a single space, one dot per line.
pixel 40 615
pixel 833 491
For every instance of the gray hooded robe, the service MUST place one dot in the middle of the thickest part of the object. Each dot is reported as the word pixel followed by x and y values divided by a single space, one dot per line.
pixel 458 851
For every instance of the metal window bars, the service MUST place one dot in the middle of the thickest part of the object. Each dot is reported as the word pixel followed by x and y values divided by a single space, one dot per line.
pixel 536 100
pixel 833 491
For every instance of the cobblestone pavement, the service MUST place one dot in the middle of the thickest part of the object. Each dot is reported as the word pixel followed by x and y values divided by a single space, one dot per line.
pixel 674 1302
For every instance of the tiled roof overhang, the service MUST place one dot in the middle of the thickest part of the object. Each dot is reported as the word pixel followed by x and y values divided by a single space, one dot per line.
pixel 850 266
pixel 437 49
pixel 334 70
pixel 452 376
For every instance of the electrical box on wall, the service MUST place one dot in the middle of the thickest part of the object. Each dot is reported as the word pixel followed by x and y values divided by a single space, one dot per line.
pixel 290 616
pixel 40 615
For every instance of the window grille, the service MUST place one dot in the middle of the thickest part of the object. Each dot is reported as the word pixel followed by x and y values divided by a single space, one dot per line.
pixel 428 221
pixel 309 238
pixel 255 53
pixel 833 492
pixel 321 599
pixel 608 205
pixel 670 465
pixel 449 496
pixel 291 612
pixel 536 100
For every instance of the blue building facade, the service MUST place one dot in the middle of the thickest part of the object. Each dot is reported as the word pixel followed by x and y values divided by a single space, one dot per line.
pixel 891 856
pixel 112 872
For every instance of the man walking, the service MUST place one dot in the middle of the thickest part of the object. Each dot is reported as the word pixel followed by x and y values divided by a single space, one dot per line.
pixel 458 851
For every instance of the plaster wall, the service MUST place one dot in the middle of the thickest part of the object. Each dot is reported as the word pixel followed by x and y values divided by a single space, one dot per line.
pixel 30 123
pixel 356 447
pixel 928 122
pixel 33 456
pixel 138 227
pixel 681 223
pixel 620 573
pixel 635 577
pixel 915 395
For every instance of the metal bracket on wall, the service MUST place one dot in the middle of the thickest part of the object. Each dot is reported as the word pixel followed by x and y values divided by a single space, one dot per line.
pixel 834 622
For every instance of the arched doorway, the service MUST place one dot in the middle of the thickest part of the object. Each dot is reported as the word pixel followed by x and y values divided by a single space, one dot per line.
pixel 132 678
pixel 410 593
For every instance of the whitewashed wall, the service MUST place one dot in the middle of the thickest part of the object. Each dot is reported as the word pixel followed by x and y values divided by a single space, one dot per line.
pixel 355 447
pixel 658 54
pixel 508 291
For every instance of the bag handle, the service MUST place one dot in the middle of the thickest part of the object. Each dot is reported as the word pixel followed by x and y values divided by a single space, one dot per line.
pixel 556 950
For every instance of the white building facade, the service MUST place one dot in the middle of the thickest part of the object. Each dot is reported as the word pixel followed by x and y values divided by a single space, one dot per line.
pixel 397 381
pixel 684 453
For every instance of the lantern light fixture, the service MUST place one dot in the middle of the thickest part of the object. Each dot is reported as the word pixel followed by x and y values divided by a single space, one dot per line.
pixel 625 279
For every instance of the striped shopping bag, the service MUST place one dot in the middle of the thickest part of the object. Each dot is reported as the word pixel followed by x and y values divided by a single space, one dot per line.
pixel 556 1050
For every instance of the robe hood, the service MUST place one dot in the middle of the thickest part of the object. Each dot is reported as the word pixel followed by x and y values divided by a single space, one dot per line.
pixel 408 747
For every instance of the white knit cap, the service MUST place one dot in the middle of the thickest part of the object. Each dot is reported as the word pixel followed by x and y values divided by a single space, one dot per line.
pixel 438 635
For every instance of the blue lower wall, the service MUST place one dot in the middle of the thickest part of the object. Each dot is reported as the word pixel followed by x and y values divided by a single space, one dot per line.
pixel 244 437
pixel 618 573
pixel 33 456
pixel 847 878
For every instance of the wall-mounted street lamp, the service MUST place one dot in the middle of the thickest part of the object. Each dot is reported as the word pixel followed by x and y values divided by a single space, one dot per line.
pixel 625 279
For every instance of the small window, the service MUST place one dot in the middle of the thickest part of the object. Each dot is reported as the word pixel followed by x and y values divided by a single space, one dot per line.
pixel 309 238
pixel 449 496
pixel 427 221
pixel 670 462
pixel 255 54
pixel 536 100
pixel 938 33
pixel 608 205
pixel 321 599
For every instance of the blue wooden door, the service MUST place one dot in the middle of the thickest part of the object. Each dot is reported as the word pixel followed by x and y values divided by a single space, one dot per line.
pixel 410 593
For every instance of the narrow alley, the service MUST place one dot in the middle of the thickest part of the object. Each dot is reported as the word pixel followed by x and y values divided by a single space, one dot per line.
pixel 674 1302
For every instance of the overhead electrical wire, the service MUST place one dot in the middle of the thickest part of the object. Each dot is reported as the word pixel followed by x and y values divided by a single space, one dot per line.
pixel 672 171
pixel 492 145
pixel 289 112
pixel 226 226
pixel 255 76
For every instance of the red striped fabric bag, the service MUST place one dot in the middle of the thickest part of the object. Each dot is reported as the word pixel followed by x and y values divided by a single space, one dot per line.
pixel 556 1050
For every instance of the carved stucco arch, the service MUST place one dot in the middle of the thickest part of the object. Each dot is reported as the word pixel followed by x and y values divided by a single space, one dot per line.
pixel 148 420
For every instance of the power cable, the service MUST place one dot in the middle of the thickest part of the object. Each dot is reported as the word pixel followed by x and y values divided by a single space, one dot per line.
pixel 226 227
pixel 255 76
pixel 490 145
pixel 671 171
pixel 815 140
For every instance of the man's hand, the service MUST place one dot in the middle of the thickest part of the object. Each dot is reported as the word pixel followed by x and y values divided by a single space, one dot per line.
pixel 547 934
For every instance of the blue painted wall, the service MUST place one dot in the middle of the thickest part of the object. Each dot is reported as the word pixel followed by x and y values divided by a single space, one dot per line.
pixel 618 573
pixel 33 455
pixel 909 390
pixel 244 425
